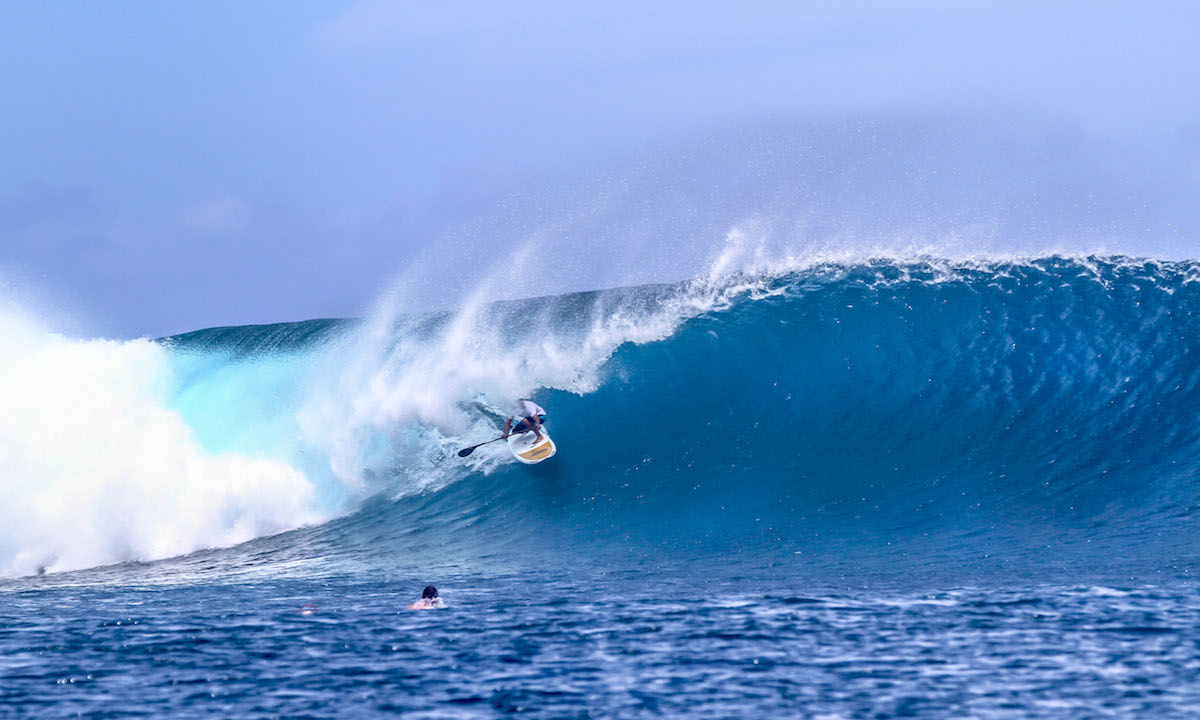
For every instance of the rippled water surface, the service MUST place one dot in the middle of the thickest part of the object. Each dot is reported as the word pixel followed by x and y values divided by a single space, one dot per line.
pixel 552 644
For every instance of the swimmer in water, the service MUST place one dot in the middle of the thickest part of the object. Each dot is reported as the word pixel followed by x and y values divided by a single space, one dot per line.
pixel 429 600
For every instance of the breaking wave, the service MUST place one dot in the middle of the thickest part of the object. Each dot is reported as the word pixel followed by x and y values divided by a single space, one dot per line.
pixel 921 403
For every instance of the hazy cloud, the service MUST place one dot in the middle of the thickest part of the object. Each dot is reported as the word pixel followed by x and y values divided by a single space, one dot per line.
pixel 36 204
pixel 221 215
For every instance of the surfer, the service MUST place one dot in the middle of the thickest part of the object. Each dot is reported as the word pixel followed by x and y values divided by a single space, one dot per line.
pixel 429 600
pixel 526 449
pixel 532 418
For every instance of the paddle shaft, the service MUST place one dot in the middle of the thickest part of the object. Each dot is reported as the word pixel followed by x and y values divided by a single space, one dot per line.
pixel 467 451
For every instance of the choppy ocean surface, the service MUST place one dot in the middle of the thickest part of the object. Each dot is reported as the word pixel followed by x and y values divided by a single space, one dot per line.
pixel 878 489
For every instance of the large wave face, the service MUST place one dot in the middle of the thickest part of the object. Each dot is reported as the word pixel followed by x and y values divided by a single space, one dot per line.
pixel 921 405
pixel 933 409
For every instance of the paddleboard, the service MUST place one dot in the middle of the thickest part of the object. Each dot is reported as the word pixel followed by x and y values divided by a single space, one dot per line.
pixel 525 448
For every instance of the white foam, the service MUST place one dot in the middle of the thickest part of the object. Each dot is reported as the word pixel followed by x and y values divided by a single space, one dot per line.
pixel 95 468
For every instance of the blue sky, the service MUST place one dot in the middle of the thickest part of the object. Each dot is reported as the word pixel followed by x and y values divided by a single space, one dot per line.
pixel 170 166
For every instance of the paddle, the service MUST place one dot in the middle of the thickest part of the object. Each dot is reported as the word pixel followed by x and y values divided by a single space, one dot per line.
pixel 467 451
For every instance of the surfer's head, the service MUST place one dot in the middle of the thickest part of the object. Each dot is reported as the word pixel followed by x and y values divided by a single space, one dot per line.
pixel 429 593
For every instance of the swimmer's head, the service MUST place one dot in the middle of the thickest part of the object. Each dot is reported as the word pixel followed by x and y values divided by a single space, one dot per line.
pixel 429 593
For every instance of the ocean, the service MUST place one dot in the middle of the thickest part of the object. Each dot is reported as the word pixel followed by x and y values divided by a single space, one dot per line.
pixel 859 489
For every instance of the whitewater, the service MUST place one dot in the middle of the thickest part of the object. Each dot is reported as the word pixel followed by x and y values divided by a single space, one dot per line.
pixel 821 472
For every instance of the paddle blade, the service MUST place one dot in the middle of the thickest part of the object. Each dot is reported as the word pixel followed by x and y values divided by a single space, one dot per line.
pixel 467 451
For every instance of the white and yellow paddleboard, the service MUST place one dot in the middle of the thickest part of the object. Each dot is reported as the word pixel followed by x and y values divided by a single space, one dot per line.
pixel 526 450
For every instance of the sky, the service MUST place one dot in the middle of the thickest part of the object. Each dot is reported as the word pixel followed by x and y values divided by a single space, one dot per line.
pixel 171 166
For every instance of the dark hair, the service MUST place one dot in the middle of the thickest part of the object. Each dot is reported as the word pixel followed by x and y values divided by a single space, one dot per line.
pixel 429 593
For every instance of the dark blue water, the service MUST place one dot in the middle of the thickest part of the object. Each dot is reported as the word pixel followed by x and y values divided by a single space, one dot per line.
pixel 880 490
pixel 638 642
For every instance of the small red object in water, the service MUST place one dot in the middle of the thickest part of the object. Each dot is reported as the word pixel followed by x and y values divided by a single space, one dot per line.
pixel 308 609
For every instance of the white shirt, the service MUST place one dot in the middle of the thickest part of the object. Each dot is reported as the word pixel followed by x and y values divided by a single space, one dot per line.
pixel 531 409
